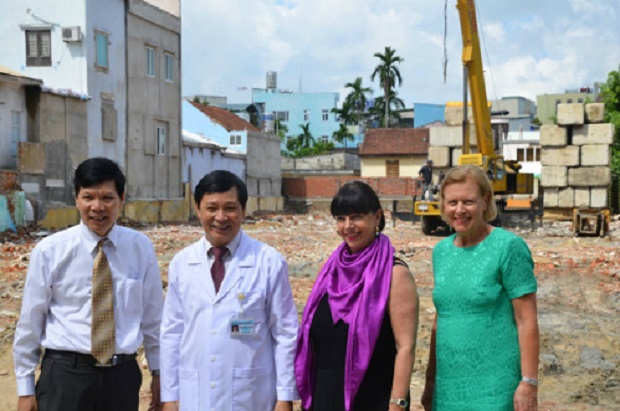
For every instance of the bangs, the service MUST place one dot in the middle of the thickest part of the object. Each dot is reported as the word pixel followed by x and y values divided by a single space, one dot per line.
pixel 351 200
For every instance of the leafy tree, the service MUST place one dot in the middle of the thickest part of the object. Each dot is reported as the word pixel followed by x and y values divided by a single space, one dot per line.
pixel 305 138
pixel 611 97
pixel 356 98
pixel 389 75
pixel 379 109
pixel 281 129
pixel 342 135
pixel 344 114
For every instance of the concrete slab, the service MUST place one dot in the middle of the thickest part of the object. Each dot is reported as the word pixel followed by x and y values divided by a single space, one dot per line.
pixel 582 197
pixel 566 198
pixel 595 155
pixel 440 156
pixel 589 177
pixel 594 134
pixel 554 176
pixel 551 198
pixel 552 135
pixel 570 114
pixel 595 112
pixel 565 156
pixel 599 198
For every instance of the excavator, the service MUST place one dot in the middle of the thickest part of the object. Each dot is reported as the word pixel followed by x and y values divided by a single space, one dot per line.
pixel 504 174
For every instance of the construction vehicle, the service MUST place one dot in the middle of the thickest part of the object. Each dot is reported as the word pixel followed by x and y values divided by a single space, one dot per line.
pixel 504 175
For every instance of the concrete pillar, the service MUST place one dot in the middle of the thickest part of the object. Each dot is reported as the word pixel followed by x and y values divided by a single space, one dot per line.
pixel 552 135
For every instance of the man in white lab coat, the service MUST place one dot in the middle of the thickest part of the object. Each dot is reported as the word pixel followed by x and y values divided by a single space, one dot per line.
pixel 227 344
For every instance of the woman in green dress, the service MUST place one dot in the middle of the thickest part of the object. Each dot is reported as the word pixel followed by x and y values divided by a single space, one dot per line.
pixel 484 341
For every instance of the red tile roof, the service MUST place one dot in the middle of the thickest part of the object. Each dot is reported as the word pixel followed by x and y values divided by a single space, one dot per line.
pixel 395 142
pixel 228 120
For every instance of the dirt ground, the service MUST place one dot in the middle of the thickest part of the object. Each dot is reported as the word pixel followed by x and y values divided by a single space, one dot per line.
pixel 578 298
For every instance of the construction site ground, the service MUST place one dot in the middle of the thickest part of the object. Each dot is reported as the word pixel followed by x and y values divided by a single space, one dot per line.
pixel 578 297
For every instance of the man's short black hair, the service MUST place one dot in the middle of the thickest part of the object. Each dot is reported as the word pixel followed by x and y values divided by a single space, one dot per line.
pixel 98 170
pixel 220 181
pixel 356 197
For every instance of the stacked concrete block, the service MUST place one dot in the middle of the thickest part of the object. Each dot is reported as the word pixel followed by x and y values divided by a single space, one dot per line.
pixel 576 157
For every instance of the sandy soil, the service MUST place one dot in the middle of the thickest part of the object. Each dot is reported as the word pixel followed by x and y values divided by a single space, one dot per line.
pixel 579 299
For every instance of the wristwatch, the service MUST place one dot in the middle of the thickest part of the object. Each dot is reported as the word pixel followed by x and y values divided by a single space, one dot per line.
pixel 399 402
pixel 155 373
pixel 531 381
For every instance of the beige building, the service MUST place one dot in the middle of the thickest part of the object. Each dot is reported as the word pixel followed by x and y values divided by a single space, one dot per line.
pixel 393 152
pixel 547 104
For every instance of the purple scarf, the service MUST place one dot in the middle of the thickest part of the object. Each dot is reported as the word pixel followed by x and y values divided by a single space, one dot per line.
pixel 358 287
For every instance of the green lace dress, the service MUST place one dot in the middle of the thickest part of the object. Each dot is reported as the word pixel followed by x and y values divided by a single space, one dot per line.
pixel 478 361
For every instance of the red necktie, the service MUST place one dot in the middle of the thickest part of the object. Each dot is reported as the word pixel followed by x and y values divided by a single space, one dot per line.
pixel 217 269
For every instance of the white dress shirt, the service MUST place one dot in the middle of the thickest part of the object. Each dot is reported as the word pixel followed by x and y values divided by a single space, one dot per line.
pixel 205 365
pixel 56 306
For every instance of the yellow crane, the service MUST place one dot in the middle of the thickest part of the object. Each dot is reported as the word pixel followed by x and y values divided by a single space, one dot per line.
pixel 504 175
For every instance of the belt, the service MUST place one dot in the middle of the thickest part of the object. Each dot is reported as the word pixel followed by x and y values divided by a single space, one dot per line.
pixel 87 359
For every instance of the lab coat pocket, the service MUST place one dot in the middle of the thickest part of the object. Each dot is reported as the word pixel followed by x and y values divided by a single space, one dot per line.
pixel 188 390
pixel 252 390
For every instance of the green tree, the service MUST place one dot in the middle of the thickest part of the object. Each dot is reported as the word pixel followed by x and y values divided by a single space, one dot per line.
pixel 611 97
pixel 344 114
pixel 356 98
pixel 305 138
pixel 281 129
pixel 379 109
pixel 389 74
pixel 342 135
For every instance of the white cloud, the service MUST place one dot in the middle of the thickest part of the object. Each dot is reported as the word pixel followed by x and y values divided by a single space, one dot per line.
pixel 533 46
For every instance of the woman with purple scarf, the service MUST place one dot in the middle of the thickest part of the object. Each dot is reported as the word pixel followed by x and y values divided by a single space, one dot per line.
pixel 356 342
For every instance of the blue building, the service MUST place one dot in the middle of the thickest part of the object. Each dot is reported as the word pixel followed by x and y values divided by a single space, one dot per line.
pixel 295 109
pixel 427 113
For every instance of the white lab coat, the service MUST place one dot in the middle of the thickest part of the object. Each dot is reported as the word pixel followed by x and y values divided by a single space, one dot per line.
pixel 202 364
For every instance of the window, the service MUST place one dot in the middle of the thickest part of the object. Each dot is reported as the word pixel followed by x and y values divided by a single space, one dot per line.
pixel 579 100
pixel 324 139
pixel 150 61
pixel 162 130
pixel 306 115
pixel 325 115
pixel 529 154
pixel 16 131
pixel 281 115
pixel 101 44
pixel 38 48
pixel 392 168
pixel 537 154
pixel 520 154
pixel 570 100
pixel 169 73
pixel 235 140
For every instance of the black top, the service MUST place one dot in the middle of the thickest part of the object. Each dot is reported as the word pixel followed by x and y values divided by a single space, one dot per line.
pixel 329 343
pixel 427 173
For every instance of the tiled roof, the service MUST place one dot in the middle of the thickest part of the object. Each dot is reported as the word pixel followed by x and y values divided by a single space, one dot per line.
pixel 228 120
pixel 395 142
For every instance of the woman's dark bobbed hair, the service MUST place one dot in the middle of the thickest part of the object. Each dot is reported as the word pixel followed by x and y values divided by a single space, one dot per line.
pixel 356 197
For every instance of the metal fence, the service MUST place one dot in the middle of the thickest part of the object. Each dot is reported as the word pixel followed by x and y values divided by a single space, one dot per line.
pixel 614 194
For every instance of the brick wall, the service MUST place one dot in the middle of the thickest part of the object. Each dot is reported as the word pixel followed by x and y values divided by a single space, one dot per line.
pixel 327 186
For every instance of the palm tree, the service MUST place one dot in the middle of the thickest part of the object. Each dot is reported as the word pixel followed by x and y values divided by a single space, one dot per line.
pixel 281 129
pixel 357 97
pixel 305 138
pixel 344 114
pixel 388 74
pixel 395 103
pixel 342 134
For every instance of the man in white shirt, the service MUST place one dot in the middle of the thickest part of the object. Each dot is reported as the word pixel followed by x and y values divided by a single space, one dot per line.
pixel 66 270
pixel 229 327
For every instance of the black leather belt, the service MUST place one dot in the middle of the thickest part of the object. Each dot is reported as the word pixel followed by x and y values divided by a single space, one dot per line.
pixel 87 359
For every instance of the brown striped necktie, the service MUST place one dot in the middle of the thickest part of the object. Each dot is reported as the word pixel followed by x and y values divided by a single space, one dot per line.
pixel 103 331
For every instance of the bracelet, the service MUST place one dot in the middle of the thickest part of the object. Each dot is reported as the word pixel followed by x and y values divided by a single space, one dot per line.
pixel 399 402
pixel 531 381
pixel 155 373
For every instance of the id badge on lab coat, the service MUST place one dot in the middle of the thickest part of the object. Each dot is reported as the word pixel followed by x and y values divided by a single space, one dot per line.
pixel 241 325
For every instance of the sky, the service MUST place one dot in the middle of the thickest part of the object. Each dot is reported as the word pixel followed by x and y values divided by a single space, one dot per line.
pixel 530 47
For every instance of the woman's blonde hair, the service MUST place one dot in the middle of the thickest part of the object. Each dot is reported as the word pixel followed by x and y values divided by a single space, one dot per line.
pixel 460 174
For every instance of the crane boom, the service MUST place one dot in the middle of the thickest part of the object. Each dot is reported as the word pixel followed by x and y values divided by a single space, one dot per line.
pixel 472 61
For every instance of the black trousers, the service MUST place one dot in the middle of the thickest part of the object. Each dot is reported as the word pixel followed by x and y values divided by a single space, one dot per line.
pixel 66 385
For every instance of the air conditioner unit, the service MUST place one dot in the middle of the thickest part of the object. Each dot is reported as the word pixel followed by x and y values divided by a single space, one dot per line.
pixel 71 34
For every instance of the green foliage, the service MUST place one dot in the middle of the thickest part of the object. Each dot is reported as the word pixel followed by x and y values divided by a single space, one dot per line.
pixel 342 135
pixel 281 129
pixel 611 97
pixel 536 121
pixel 389 75
pixel 356 99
